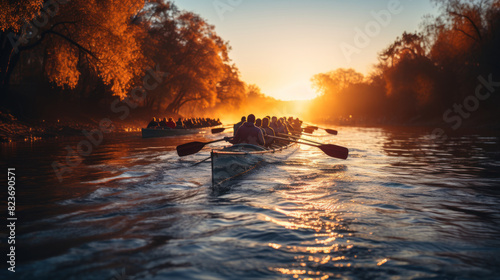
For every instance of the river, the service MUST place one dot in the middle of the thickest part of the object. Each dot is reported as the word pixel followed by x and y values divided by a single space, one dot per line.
pixel 403 206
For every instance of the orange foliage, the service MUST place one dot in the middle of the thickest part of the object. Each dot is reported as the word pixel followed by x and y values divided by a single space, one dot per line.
pixel 421 74
pixel 62 67
pixel 335 81
pixel 103 28
pixel 90 35
pixel 14 14
pixel 196 58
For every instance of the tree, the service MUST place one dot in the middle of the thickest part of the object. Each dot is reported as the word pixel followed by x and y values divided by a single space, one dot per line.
pixel 195 57
pixel 332 87
pixel 409 45
pixel 78 35
pixel 335 81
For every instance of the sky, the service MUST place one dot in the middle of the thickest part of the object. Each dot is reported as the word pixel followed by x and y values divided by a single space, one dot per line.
pixel 279 45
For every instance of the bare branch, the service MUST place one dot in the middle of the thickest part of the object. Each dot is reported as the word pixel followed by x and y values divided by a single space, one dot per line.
pixel 470 21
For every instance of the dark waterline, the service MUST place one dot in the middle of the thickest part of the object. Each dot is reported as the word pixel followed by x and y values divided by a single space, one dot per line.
pixel 402 206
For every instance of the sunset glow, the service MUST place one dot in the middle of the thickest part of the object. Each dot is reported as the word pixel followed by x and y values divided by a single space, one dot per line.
pixel 279 43
pixel 250 139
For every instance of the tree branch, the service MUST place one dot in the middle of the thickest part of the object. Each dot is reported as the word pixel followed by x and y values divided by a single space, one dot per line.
pixel 470 21
pixel 82 48
pixel 466 34
pixel 51 31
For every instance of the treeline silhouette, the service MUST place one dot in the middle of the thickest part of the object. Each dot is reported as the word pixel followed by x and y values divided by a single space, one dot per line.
pixel 74 57
pixel 446 73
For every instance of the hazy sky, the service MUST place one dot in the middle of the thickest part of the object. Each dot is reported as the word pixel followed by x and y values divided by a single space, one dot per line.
pixel 280 44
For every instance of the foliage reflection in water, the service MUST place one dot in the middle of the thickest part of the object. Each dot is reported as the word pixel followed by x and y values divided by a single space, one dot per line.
pixel 402 206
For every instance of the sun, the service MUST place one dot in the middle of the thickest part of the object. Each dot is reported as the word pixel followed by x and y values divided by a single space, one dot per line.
pixel 296 90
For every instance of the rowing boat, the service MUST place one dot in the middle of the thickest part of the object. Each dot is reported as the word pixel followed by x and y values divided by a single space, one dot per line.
pixel 236 160
pixel 154 132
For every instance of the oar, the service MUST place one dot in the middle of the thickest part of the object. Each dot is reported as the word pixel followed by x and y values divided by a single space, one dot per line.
pixel 221 129
pixel 329 149
pixel 329 131
pixel 308 130
pixel 202 161
pixel 194 147
pixel 218 130
pixel 297 137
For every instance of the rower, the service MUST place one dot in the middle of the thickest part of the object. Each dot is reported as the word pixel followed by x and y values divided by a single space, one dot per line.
pixel 297 125
pixel 288 125
pixel 282 127
pixel 163 123
pixel 236 126
pixel 179 124
pixel 274 124
pixel 153 124
pixel 171 124
pixel 249 133
pixel 258 123
pixel 268 132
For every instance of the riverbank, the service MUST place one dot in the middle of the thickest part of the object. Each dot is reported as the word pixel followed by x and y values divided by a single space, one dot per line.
pixel 15 130
pixel 484 123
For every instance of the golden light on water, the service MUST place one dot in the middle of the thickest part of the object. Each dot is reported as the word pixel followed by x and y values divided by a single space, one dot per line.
pixel 315 215
pixel 298 272
pixel 382 262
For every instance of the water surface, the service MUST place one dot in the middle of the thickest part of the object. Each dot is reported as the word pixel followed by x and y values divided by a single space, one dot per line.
pixel 402 206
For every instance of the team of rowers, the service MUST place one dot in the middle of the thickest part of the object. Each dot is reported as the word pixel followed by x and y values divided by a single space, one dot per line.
pixel 183 123
pixel 261 131
pixel 249 130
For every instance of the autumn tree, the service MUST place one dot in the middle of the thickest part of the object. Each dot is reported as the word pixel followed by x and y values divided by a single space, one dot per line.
pixel 332 86
pixel 466 43
pixel 422 74
pixel 13 15
pixel 409 45
pixel 195 57
pixel 230 90
pixel 75 36
pixel 335 81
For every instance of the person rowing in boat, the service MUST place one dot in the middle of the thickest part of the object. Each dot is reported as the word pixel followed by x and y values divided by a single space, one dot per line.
pixel 282 127
pixel 249 133
pixel 163 123
pixel 171 124
pixel 258 123
pixel 297 125
pixel 268 132
pixel 237 125
pixel 274 124
pixel 179 124
pixel 153 123
pixel 289 125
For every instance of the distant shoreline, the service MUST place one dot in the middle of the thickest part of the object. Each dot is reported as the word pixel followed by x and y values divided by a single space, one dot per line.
pixel 13 130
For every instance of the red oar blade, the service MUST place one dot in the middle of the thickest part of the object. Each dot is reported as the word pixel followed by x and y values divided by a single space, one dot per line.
pixel 189 148
pixel 331 131
pixel 217 130
pixel 335 151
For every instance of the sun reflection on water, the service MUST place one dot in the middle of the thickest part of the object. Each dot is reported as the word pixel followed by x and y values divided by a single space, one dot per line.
pixel 314 213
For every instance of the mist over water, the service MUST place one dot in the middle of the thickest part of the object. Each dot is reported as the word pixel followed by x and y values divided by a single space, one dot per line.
pixel 402 206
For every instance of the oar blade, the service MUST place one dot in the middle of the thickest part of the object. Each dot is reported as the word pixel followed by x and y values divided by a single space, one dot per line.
pixel 308 130
pixel 312 127
pixel 331 131
pixel 335 151
pixel 217 130
pixel 189 148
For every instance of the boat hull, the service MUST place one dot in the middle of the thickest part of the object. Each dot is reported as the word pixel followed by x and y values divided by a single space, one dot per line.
pixel 152 132
pixel 234 161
